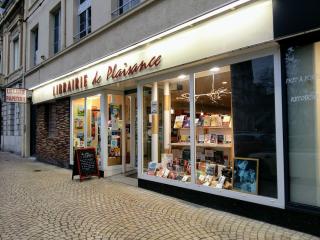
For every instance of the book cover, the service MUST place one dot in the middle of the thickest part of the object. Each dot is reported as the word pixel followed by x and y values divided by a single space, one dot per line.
pixel 220 139
pixel 206 121
pixel 227 138
pixel 166 159
pixel 207 138
pixel 152 167
pixel 178 121
pixel 166 173
pixel 213 138
pixel 218 157
pixel 186 178
pixel 201 138
pixel 226 120
pixel 184 138
pixel 186 122
pixel 216 120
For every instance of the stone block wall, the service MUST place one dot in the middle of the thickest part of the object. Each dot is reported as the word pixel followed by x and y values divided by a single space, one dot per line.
pixel 54 149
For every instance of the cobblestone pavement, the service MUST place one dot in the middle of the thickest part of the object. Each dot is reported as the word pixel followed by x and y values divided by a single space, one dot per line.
pixel 48 205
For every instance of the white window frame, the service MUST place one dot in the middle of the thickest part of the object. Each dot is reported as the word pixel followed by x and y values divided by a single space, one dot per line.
pixel 278 202
pixel 84 7
pixel 54 41
pixel 34 52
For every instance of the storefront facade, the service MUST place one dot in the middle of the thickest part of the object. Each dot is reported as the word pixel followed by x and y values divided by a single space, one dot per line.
pixel 196 109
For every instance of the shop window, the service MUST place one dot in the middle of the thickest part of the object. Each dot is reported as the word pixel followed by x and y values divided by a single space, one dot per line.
pixel 166 129
pixel 303 87
pixel 78 106
pixel 52 120
pixel 235 127
pixel 232 127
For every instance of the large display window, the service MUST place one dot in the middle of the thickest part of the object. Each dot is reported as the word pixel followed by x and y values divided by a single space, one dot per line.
pixel 214 128
pixel 166 129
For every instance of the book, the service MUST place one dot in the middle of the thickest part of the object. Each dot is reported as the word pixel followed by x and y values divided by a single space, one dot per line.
pixel 220 139
pixel 186 122
pixel 206 121
pixel 160 172
pixel 152 167
pixel 184 138
pixel 226 119
pixel 202 178
pixel 218 157
pixel 207 138
pixel 221 182
pixel 178 121
pixel 227 138
pixel 166 173
pixel 213 138
pixel 209 155
pixel 210 169
pixel 216 120
pixel 176 153
pixel 166 160
pixel 201 138
pixel 186 178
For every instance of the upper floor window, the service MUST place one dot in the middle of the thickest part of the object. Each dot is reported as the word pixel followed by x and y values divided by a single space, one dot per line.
pixel 56 29
pixel 124 6
pixel 84 18
pixel 16 54
pixel 34 46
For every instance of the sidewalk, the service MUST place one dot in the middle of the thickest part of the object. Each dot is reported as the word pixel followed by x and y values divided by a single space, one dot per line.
pixel 40 201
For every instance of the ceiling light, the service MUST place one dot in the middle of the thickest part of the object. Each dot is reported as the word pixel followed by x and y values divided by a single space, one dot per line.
pixel 215 69
pixel 182 76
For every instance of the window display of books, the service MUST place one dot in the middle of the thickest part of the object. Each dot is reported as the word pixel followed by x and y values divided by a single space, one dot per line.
pixel 214 175
pixel 173 166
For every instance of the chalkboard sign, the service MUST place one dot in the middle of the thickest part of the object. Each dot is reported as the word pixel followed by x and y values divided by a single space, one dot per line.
pixel 85 163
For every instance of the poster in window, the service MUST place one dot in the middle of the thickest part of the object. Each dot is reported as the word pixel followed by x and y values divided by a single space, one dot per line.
pixel 246 175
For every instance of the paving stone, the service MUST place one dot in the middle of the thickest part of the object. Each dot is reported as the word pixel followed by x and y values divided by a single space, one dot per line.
pixel 49 205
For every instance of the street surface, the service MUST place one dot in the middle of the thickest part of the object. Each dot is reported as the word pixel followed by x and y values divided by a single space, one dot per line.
pixel 40 201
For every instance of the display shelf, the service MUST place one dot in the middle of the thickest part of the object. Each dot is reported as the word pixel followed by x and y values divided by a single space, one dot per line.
pixel 206 127
pixel 213 145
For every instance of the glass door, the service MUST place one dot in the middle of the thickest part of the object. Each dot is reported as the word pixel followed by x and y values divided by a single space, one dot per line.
pixel 93 123
pixel 131 130
pixel 115 128
pixel 86 123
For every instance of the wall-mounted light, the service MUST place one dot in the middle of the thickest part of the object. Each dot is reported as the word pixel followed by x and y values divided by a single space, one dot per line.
pixel 182 76
pixel 224 82
pixel 215 69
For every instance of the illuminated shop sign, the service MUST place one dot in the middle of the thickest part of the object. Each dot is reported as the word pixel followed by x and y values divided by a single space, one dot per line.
pixel 113 72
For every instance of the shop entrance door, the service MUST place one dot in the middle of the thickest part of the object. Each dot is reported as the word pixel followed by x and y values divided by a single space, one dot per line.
pixel 121 132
